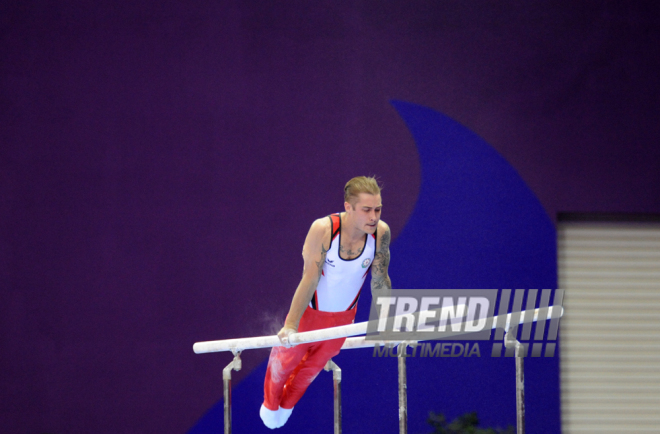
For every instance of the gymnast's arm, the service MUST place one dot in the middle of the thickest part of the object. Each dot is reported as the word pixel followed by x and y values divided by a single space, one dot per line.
pixel 314 252
pixel 380 278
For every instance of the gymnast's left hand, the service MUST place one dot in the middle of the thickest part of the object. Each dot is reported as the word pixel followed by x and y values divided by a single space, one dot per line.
pixel 284 334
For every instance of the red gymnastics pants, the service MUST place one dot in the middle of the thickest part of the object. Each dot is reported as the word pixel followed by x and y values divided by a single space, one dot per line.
pixel 291 370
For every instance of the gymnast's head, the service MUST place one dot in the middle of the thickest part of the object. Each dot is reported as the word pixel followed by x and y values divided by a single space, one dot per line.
pixel 363 203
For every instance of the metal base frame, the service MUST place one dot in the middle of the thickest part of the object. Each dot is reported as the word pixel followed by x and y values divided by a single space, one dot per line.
pixel 336 385
pixel 235 365
pixel 510 341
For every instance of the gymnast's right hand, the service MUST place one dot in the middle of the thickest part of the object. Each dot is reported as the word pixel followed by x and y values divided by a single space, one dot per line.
pixel 283 335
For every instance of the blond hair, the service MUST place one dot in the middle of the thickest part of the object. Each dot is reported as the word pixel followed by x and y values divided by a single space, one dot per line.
pixel 360 184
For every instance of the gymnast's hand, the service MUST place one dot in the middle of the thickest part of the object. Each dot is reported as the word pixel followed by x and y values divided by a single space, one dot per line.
pixel 283 335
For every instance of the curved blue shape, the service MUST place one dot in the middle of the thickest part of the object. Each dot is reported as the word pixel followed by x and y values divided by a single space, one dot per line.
pixel 476 225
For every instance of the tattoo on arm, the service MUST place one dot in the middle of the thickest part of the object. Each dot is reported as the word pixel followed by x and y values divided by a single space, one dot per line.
pixel 379 278
pixel 320 263
pixel 385 240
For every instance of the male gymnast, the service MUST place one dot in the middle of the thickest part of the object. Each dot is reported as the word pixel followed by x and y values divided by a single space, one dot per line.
pixel 338 252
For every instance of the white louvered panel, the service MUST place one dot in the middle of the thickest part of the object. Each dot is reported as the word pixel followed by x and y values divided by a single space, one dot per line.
pixel 610 335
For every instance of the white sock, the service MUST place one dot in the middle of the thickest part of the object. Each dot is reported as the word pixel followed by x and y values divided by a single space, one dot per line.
pixel 284 414
pixel 270 418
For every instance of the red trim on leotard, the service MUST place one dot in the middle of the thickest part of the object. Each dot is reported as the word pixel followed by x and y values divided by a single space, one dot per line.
pixel 335 220
pixel 357 297
pixel 365 273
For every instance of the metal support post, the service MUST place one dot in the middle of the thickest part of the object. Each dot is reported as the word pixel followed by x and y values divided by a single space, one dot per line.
pixel 336 382
pixel 510 341
pixel 226 380
pixel 403 389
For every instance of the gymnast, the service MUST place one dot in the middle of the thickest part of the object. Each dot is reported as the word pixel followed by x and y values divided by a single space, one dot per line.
pixel 339 251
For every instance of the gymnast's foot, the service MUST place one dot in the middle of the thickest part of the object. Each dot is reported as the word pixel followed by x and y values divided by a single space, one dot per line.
pixel 284 414
pixel 270 418
pixel 274 419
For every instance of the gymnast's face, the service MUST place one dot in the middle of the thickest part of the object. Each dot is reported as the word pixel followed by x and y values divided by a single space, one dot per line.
pixel 365 213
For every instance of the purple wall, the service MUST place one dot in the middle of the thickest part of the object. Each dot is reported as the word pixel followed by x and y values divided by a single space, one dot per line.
pixel 160 164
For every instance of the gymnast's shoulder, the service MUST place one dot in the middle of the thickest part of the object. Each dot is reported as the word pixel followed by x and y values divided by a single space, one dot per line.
pixel 320 230
pixel 383 228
